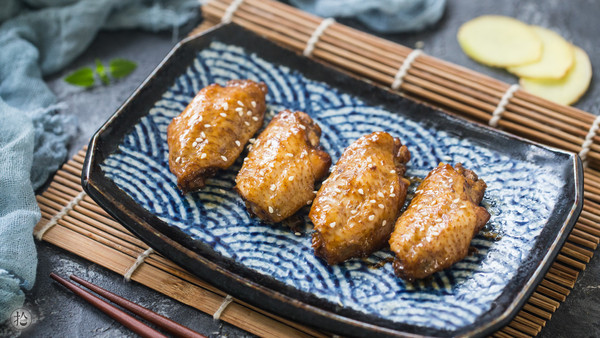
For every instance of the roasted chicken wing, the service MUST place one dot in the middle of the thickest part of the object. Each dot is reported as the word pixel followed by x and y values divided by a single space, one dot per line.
pixel 355 209
pixel 213 129
pixel 440 222
pixel 278 176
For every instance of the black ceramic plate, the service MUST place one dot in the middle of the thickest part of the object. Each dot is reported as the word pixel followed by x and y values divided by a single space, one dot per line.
pixel 534 195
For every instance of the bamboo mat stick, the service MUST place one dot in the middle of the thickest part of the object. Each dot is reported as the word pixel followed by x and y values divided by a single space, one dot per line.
pixel 436 81
pixel 535 320
pixel 524 318
pixel 551 294
pixel 500 334
pixel 524 329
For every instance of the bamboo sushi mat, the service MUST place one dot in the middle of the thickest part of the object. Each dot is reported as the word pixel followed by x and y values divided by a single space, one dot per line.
pixel 82 227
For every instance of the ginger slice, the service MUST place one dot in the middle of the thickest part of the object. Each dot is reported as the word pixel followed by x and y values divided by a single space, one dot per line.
pixel 568 89
pixel 500 41
pixel 557 58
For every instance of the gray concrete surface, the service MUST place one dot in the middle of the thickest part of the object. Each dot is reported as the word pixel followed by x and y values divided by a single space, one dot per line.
pixel 59 313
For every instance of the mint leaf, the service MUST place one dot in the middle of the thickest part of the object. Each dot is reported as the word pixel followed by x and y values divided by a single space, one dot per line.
pixel 101 72
pixel 120 68
pixel 83 77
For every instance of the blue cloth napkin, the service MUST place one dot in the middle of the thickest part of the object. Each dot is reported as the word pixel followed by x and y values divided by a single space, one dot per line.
pixel 385 16
pixel 37 38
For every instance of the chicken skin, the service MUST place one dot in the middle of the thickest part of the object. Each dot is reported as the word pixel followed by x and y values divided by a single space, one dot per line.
pixel 440 222
pixel 278 176
pixel 213 129
pixel 355 209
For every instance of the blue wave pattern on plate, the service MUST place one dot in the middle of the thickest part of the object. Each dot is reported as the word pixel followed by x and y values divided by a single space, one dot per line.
pixel 519 197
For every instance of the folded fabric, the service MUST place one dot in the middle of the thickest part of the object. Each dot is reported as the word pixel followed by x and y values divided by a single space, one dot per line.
pixel 39 37
pixel 18 209
pixel 385 16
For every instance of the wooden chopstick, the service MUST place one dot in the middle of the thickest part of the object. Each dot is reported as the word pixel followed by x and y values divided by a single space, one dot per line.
pixel 163 322
pixel 113 312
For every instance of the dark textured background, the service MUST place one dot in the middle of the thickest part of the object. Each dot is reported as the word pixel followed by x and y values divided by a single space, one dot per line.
pixel 58 312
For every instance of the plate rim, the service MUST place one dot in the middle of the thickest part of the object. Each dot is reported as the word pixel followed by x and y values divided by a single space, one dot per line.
pixel 159 241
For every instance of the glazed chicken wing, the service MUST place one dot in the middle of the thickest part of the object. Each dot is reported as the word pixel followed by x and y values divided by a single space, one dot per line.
pixel 355 209
pixel 278 176
pixel 440 222
pixel 213 129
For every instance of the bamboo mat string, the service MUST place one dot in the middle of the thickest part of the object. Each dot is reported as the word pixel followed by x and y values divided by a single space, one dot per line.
pixel 230 11
pixel 316 35
pixel 54 220
pixel 497 114
pixel 217 315
pixel 399 77
pixel 589 140
pixel 138 261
